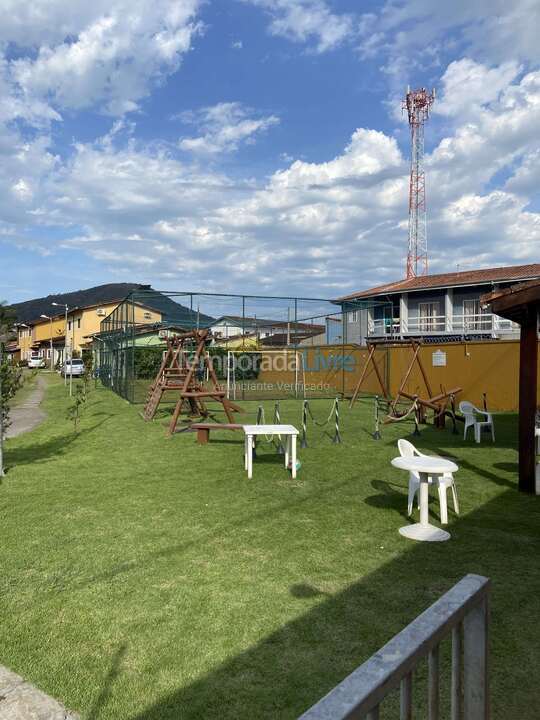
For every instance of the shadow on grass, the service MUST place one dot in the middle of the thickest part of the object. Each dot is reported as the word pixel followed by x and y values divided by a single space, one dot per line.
pixel 388 498
pixel 293 667
pixel 43 451
pixel 109 680
pixel 303 591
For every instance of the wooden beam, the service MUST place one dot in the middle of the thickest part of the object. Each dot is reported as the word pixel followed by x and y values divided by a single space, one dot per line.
pixel 528 371
pixel 515 301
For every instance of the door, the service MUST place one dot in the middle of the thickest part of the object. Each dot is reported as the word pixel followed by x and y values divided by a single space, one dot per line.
pixel 427 314
pixel 472 315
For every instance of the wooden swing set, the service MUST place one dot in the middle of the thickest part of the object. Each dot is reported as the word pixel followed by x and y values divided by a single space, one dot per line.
pixel 440 403
pixel 186 355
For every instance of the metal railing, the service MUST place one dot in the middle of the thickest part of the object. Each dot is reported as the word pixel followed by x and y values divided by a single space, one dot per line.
pixel 462 614
pixel 439 324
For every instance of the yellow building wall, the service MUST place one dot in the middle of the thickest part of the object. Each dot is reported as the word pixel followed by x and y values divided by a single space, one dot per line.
pixel 90 321
pixel 477 367
pixel 85 322
pixel 42 330
pixel 324 369
pixel 25 340
pixel 144 315
pixel 490 367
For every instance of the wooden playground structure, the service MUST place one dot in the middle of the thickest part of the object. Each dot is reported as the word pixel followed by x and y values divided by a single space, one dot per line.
pixel 184 359
pixel 441 403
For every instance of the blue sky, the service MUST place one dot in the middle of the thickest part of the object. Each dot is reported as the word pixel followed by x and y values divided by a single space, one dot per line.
pixel 258 145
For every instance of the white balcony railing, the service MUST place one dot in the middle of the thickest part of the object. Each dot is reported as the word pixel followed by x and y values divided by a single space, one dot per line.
pixel 443 324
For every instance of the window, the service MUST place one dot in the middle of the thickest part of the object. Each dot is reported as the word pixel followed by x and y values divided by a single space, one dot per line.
pixel 472 316
pixel 428 316
pixel 147 316
pixel 78 323
pixel 69 324
pixel 353 316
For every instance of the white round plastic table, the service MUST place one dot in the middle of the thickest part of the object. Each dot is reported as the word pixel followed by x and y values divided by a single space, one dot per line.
pixel 426 467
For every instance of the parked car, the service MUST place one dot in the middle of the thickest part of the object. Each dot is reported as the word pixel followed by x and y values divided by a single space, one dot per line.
pixel 36 361
pixel 73 367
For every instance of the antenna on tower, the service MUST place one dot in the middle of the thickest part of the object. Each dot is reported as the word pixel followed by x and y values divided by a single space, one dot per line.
pixel 418 104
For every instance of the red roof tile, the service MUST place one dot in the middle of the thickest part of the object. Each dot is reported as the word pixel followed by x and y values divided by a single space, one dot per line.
pixel 467 277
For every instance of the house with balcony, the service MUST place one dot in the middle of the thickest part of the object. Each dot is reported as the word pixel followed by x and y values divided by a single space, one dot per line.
pixel 434 308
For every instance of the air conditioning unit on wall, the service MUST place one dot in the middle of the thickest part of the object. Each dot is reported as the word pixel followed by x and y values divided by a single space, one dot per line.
pixel 101 312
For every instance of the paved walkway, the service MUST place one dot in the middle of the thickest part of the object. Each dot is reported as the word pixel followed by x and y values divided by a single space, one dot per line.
pixel 21 701
pixel 29 415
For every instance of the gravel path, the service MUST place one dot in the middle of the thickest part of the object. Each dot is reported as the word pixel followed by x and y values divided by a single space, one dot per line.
pixel 28 415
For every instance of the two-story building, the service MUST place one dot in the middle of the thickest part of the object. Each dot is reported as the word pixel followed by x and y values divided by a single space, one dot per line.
pixel 42 322
pixel 433 307
pixel 40 337
pixel 42 326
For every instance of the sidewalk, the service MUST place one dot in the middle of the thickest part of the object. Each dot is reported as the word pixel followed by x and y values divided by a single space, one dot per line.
pixel 29 415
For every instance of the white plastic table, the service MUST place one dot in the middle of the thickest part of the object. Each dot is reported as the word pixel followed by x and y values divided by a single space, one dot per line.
pixel 251 431
pixel 426 467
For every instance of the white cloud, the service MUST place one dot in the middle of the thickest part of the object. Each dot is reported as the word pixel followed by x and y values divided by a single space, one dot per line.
pixel 413 38
pixel 307 20
pixel 102 54
pixel 526 178
pixel 224 127
pixel 468 85
pixel 311 228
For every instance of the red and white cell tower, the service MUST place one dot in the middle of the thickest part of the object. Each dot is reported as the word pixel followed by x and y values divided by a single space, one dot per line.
pixel 417 103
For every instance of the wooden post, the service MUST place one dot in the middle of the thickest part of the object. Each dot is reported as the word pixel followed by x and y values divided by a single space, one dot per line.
pixel 203 436
pixel 528 368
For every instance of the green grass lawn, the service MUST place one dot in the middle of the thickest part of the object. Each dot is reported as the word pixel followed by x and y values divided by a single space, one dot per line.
pixel 145 578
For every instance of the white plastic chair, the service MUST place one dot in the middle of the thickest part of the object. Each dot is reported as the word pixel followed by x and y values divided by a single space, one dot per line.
pixel 407 449
pixel 471 413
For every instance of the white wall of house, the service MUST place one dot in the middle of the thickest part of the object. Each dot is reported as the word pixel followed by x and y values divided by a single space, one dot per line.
pixel 229 328
pixel 357 324
pixel 404 312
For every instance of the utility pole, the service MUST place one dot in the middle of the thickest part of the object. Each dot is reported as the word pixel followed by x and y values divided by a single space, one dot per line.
pixel 65 346
pixel 48 317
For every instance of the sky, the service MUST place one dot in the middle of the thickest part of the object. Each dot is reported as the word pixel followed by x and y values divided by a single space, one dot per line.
pixel 259 146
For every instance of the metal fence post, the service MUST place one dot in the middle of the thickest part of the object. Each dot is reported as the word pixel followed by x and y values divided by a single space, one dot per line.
pixel 337 436
pixel 475 663
pixel 277 420
pixel 377 433
pixel 303 441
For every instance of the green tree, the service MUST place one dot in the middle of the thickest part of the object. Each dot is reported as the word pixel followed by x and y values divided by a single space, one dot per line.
pixel 10 377
pixel 75 410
